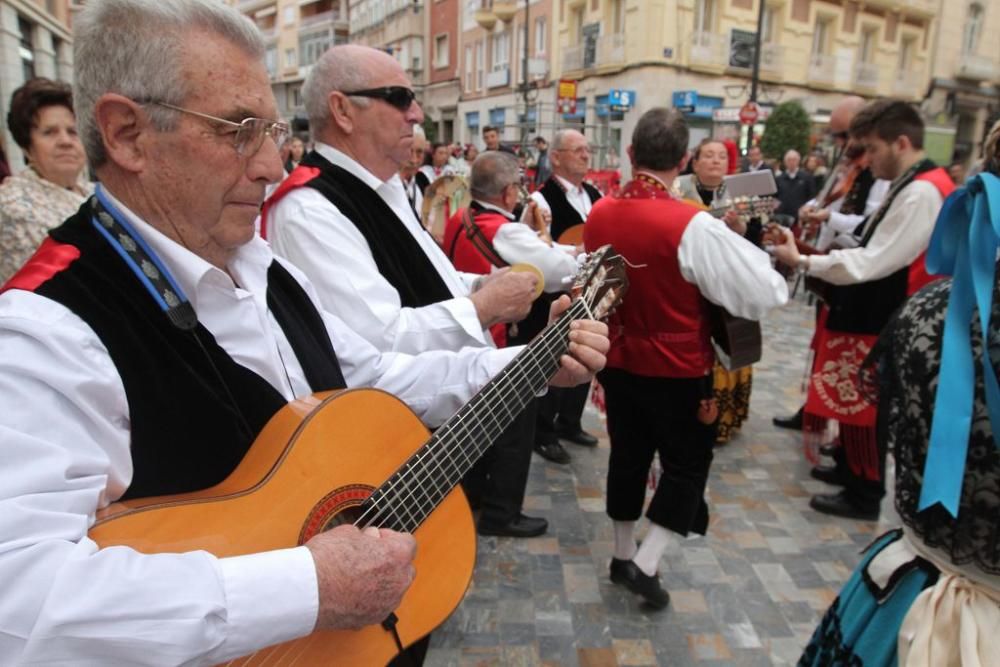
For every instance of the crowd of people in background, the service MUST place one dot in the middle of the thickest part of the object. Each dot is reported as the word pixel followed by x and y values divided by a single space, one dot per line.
pixel 354 269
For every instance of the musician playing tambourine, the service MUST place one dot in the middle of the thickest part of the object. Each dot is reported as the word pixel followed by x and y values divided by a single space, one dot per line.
pixel 486 236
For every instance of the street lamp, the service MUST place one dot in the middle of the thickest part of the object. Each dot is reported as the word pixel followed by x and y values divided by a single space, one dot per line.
pixel 755 73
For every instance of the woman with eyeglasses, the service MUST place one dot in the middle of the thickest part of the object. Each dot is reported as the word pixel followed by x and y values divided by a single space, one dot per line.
pixel 51 187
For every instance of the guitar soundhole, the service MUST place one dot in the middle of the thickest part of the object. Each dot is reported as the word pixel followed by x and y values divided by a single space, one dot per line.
pixel 340 506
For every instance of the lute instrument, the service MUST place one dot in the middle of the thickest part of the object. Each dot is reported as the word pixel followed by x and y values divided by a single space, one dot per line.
pixel 362 457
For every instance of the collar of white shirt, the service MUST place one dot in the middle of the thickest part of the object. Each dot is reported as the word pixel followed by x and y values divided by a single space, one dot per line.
pixel 569 187
pixel 249 264
pixel 497 209
pixel 344 161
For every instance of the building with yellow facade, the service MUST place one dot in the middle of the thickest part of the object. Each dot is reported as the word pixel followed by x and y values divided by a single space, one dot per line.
pixel 297 33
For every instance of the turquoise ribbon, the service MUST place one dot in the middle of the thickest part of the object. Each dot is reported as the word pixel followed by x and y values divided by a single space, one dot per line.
pixel 964 245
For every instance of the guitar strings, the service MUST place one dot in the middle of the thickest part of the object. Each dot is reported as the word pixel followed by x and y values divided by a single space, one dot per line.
pixel 458 435
pixel 442 455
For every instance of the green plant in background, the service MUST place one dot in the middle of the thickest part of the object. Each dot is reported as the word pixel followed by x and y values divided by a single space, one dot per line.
pixel 787 127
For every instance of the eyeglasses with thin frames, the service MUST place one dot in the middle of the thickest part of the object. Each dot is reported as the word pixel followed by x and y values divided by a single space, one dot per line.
pixel 248 134
pixel 400 97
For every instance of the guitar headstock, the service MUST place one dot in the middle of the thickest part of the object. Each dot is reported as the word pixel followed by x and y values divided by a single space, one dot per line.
pixel 601 282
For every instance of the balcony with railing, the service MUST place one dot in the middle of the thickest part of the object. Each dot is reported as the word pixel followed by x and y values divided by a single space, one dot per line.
pixel 498 77
pixel 977 68
pixel 772 59
pixel 708 50
pixel 538 68
pixel 907 85
pixel 611 49
pixel 822 69
pixel 572 57
pixel 866 76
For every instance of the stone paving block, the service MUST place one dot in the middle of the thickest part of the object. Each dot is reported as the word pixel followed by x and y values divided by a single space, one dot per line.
pixel 749 593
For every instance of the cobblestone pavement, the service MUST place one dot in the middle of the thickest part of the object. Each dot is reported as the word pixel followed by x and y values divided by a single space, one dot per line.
pixel 749 593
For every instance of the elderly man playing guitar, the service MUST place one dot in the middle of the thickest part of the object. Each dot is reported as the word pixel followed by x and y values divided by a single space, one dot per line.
pixel 146 346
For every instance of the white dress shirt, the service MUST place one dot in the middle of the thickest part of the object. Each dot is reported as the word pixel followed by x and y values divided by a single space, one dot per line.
pixel 576 196
pixel 432 173
pixel 839 226
pixel 66 438
pixel 899 239
pixel 413 194
pixel 728 270
pixel 519 243
pixel 312 233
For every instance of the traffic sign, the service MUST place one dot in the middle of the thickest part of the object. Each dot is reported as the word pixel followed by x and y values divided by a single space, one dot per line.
pixel 749 113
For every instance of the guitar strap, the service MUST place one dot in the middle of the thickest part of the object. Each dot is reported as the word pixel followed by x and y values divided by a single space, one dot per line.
pixel 478 240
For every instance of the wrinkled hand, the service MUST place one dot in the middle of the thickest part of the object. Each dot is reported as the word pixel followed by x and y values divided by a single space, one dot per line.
pixel 361 575
pixel 504 296
pixel 588 345
pixel 786 252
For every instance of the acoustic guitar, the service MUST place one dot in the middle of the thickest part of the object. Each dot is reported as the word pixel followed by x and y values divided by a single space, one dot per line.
pixel 361 456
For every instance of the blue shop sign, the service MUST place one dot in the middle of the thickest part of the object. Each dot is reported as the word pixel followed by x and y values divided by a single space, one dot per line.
pixel 621 100
pixel 685 100
pixel 581 110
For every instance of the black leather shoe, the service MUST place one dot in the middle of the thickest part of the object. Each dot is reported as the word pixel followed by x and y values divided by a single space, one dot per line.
pixel 553 451
pixel 828 474
pixel 520 526
pixel 580 437
pixel 839 504
pixel 628 574
pixel 794 422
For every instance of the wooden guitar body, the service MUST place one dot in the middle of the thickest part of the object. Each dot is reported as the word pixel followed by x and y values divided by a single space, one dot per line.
pixel 316 459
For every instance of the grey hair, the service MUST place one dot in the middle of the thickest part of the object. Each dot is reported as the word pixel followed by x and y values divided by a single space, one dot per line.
pixel 337 69
pixel 559 138
pixel 135 47
pixel 792 151
pixel 491 173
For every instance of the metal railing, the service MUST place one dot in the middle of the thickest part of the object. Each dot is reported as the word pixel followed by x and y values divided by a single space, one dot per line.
pixel 980 68
pixel 866 75
pixel 708 48
pixel 572 57
pixel 822 68
pixel 611 49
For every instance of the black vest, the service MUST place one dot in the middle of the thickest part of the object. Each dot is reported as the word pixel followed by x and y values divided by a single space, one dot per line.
pixel 398 256
pixel 564 215
pixel 194 412
pixel 865 308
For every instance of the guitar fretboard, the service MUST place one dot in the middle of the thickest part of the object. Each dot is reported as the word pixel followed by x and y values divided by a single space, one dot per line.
pixel 404 500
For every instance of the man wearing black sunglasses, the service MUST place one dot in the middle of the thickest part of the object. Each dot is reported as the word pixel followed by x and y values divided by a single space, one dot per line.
pixel 352 230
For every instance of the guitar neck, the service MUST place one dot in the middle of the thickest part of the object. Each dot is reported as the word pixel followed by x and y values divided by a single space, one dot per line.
pixel 420 484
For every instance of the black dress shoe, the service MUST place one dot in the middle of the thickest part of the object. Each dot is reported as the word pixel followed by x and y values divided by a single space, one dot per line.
pixel 839 504
pixel 828 474
pixel 579 437
pixel 628 574
pixel 553 451
pixel 519 526
pixel 794 422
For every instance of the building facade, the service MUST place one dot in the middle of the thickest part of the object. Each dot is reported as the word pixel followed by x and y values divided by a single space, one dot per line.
pixel 698 55
pixel 35 40
pixel 964 91
pixel 296 34
pixel 441 93
pixel 503 83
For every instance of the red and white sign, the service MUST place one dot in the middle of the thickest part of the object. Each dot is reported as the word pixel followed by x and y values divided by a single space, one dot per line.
pixel 566 101
pixel 749 113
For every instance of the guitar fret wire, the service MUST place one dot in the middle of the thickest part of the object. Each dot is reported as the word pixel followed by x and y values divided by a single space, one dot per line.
pixel 490 432
pixel 438 455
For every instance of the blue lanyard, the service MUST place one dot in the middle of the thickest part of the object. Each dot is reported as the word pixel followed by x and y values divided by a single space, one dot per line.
pixel 964 245
pixel 142 261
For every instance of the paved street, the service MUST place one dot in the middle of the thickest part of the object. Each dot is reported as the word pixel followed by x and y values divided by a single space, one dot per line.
pixel 749 593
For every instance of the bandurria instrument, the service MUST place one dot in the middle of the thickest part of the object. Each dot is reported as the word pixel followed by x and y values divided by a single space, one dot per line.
pixel 361 456
pixel 442 197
